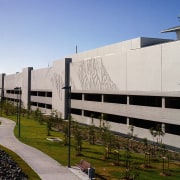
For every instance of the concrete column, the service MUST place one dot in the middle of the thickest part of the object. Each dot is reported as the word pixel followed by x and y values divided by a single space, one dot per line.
pixel 102 98
pixel 127 121
pixel 2 86
pixel 29 87
pixel 26 86
pixel 128 100
pixel 163 127
pixel 163 102
pixel 127 117
pixel 82 112
pixel 82 102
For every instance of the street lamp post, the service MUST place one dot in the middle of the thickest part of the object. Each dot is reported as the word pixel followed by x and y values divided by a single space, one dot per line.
pixel 17 109
pixel 2 99
pixel 68 88
pixel 18 91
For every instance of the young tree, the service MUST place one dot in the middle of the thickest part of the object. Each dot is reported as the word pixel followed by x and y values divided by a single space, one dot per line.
pixel 160 134
pixel 157 133
pixel 92 132
pixel 146 153
pixel 117 146
pixel 53 121
pixel 154 134
pixel 58 120
pixel 29 111
pixel 131 133
pixel 2 105
pixel 77 131
pixel 65 131
pixel 107 138
pixel 127 156
pixel 38 115
pixel 49 125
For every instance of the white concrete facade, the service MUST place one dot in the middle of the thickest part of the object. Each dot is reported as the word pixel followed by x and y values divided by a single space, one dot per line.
pixel 142 75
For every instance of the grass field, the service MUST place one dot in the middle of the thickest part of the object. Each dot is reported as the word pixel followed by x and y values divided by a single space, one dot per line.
pixel 35 134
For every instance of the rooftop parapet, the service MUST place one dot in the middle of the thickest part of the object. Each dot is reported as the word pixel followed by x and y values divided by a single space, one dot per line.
pixel 173 29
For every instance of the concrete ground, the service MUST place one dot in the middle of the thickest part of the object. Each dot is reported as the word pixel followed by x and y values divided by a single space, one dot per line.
pixel 46 167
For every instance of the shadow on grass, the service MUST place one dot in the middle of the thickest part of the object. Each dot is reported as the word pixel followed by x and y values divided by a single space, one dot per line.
pixel 88 150
pixel 101 177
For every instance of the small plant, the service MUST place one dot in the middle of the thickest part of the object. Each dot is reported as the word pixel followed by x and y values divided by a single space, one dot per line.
pixel 157 133
pixel 9 108
pixel 78 138
pixel 107 138
pixel 130 172
pixel 92 132
pixel 65 132
pixel 117 151
pixel 49 126
pixel 38 116
pixel 147 158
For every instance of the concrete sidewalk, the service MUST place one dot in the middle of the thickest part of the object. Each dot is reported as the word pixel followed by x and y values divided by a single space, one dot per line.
pixel 46 167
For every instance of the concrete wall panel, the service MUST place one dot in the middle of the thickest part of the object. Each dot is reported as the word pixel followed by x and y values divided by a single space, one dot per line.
pixel 96 73
pixel 170 66
pixel 58 82
pixel 144 69
pixel 13 80
pixel 41 79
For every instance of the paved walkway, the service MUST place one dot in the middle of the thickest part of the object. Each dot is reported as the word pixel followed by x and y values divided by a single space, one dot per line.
pixel 46 167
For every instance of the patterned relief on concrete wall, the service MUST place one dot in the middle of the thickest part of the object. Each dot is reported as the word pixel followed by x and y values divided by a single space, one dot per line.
pixel 73 84
pixel 18 80
pixel 58 83
pixel 93 75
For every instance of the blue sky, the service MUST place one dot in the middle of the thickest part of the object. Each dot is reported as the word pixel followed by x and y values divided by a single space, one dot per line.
pixel 37 32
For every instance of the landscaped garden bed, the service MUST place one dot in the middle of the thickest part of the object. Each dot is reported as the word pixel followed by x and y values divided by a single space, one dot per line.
pixel 112 156
pixel 13 167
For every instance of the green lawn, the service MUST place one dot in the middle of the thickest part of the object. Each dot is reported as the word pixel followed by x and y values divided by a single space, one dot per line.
pixel 34 134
